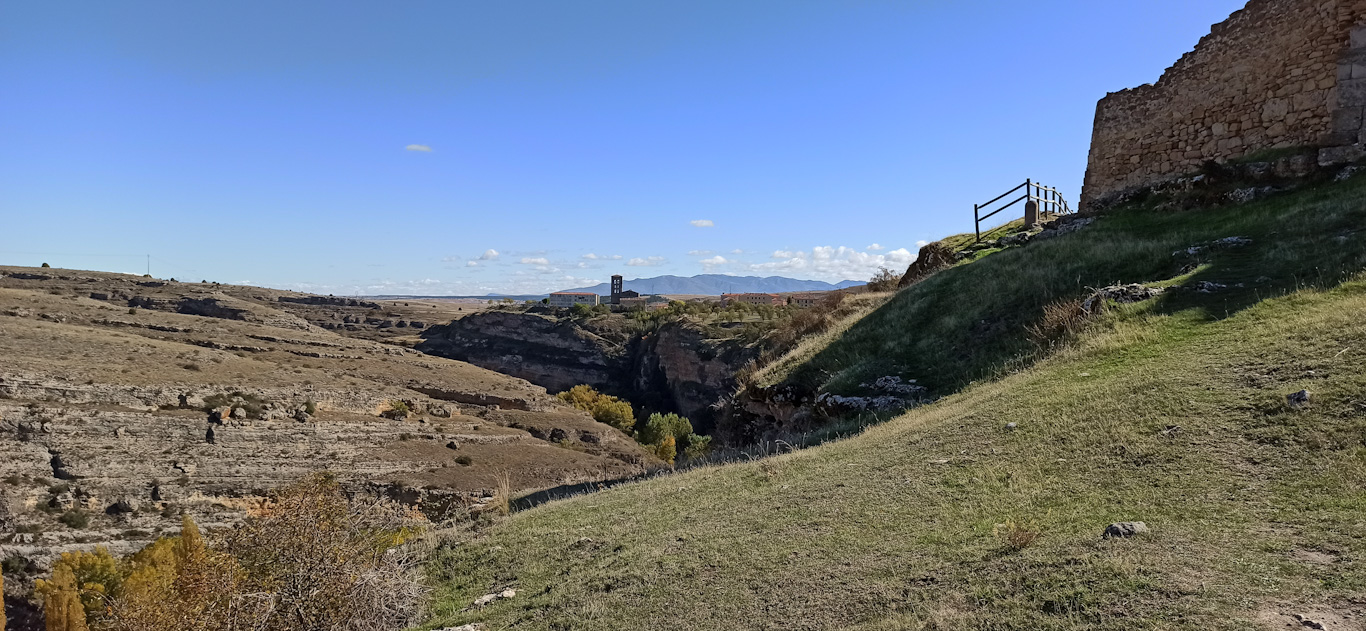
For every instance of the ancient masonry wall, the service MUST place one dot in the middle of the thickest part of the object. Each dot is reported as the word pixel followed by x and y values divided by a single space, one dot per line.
pixel 1276 74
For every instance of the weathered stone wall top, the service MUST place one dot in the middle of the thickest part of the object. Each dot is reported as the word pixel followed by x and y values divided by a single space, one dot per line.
pixel 1266 78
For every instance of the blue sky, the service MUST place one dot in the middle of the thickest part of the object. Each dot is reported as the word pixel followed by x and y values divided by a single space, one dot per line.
pixel 461 147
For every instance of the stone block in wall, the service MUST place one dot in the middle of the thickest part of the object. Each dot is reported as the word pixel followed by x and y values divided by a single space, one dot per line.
pixel 1352 93
pixel 1340 155
pixel 1347 119
pixel 1359 36
pixel 1275 109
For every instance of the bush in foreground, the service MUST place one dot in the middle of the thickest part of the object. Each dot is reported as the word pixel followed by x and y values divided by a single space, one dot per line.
pixel 309 558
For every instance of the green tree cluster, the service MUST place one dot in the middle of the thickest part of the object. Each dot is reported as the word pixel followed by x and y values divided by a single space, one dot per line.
pixel 605 409
pixel 580 310
pixel 667 432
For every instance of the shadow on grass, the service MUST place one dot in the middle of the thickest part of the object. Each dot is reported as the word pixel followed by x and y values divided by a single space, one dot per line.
pixel 970 322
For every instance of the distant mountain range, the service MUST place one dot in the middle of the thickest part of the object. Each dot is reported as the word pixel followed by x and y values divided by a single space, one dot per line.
pixel 717 284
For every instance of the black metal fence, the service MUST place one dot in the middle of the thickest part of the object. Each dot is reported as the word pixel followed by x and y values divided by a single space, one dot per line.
pixel 1050 202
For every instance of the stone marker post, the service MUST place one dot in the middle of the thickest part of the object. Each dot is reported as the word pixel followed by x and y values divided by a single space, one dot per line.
pixel 1031 214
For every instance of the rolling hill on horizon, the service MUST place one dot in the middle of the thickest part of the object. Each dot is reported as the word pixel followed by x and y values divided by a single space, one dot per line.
pixel 715 284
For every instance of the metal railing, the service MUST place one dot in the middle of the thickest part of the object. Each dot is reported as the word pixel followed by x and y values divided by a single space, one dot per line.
pixel 1050 202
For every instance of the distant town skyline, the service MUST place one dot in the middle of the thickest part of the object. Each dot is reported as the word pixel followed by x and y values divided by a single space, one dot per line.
pixel 457 148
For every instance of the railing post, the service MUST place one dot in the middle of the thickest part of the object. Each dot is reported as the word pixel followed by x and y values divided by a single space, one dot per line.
pixel 977 221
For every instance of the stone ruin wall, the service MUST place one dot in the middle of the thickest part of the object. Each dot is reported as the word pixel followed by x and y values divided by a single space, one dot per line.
pixel 1276 74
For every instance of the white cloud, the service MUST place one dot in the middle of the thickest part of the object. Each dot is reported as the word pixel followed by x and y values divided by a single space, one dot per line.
pixel 737 252
pixel 832 263
pixel 703 223
pixel 646 262
pixel 422 148
pixel 602 257
pixel 472 264
pixel 489 255
pixel 714 261
pixel 875 248
pixel 921 244
pixel 535 261
pixel 701 253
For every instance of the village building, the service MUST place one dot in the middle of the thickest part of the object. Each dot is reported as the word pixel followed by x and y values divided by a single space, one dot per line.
pixel 756 300
pixel 807 301
pixel 644 302
pixel 566 299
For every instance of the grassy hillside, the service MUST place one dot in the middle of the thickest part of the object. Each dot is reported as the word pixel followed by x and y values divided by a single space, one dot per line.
pixel 970 322
pixel 1171 411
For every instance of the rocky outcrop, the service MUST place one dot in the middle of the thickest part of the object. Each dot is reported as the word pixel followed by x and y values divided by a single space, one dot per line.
pixel 933 257
pixel 680 368
pixel 229 308
pixel 677 367
pixel 549 352
pixel 328 301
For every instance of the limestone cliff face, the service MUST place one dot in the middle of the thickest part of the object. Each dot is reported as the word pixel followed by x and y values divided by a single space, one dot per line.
pixel 678 367
pixel 551 353
pixel 692 372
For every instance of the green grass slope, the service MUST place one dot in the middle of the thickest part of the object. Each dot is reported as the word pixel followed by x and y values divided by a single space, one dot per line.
pixel 969 322
pixel 1257 511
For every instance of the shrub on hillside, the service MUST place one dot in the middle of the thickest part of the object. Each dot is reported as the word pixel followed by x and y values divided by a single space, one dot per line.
pixel 397 410
pixel 75 518
pixel 307 559
pixel 668 434
pixel 580 310
pixel 883 280
pixel 667 449
pixel 605 409
pixel 697 446
pixel 1060 320
pixel 660 426
pixel 1016 535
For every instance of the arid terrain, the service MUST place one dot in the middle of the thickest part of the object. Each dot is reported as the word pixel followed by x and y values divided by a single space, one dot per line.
pixel 128 400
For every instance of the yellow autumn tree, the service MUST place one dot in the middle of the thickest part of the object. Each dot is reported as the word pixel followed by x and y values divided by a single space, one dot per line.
pixel 2 604
pixel 62 608
pixel 94 580
pixel 667 450
pixel 311 558
pixel 605 409
pixel 177 584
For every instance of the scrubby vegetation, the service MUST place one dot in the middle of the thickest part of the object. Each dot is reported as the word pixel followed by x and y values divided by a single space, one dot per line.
pixel 608 410
pixel 985 510
pixel 667 435
pixel 884 280
pixel 397 410
pixel 250 403
pixel 307 559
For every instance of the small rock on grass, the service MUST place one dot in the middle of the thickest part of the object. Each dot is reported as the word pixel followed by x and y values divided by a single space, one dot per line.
pixel 1299 400
pixel 487 599
pixel 1125 529
pixel 465 627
